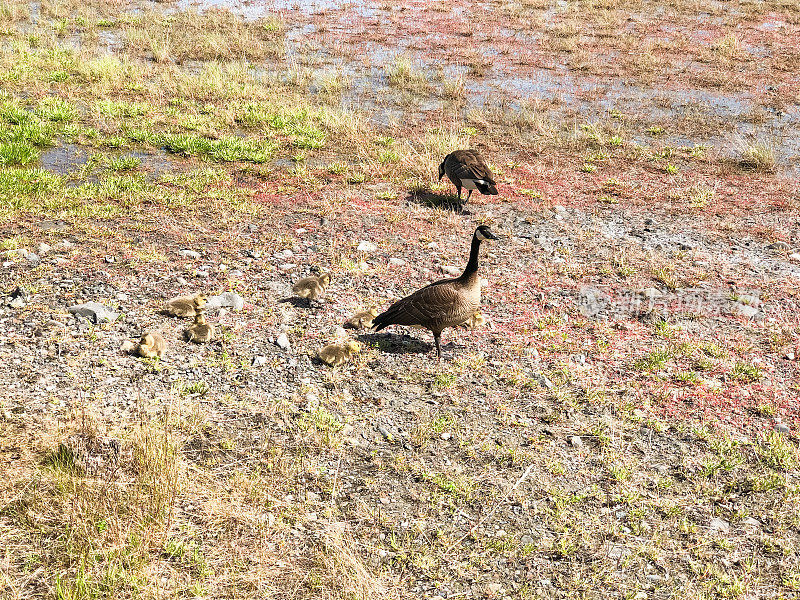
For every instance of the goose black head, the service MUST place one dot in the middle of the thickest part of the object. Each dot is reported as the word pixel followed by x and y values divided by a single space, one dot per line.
pixel 484 233
pixel 441 171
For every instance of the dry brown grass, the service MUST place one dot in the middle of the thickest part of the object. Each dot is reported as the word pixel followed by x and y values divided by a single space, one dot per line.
pixel 212 35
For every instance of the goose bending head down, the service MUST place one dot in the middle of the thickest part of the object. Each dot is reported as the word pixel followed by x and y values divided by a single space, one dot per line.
pixel 468 169
pixel 442 304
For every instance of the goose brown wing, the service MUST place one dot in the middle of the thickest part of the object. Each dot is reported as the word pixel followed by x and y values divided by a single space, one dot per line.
pixel 469 164
pixel 432 305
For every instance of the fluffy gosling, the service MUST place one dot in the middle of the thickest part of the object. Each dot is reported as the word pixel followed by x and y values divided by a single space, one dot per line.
pixel 151 345
pixel 185 306
pixel 313 287
pixel 476 320
pixel 335 355
pixel 362 320
pixel 201 331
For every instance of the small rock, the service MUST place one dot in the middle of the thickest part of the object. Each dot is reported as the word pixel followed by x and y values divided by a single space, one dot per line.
pixel 398 262
pixel 795 256
pixel 121 297
pixel 650 293
pixel 225 300
pixel 745 310
pixel 451 270
pixel 259 361
pixel 32 258
pixel 781 427
pixel 19 298
pixel 286 267
pixel 365 246
pixel 127 346
pixel 751 522
pixel 576 441
pixel 433 246
pixel 283 342
pixel 94 311
pixel 201 274
pixel 493 590
pixel 526 540
pixel 338 331
pixel 190 254
pixel 44 248
pixel 780 246
pixel 720 525
pixel 446 435
pixel 236 274
pixel 180 281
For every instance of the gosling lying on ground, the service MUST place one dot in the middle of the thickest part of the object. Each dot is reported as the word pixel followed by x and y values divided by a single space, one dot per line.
pixel 151 345
pixel 201 331
pixel 336 355
pixel 185 306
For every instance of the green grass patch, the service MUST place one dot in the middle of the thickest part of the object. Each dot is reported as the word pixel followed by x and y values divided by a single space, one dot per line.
pixel 655 360
pixel 17 154
pixel 224 149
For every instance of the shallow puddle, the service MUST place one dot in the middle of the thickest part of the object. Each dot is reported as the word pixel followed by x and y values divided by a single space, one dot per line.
pixel 330 46
pixel 63 160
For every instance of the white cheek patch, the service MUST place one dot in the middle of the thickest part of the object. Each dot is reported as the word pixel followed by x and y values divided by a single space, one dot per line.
pixel 480 236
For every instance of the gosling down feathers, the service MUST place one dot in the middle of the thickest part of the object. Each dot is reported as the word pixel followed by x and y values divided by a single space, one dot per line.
pixel 476 320
pixel 468 169
pixel 362 320
pixel 442 304
pixel 313 287
pixel 336 355
pixel 201 331
pixel 151 345
pixel 185 306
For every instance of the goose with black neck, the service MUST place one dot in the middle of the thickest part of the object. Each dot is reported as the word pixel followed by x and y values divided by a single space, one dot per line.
pixel 442 304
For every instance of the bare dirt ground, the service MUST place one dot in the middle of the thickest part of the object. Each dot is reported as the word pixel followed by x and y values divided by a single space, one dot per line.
pixel 625 426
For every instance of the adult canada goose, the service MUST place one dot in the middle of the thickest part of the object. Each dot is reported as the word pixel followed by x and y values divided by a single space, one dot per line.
pixel 151 345
pixel 336 355
pixel 468 169
pixel 313 287
pixel 185 306
pixel 362 320
pixel 201 331
pixel 444 303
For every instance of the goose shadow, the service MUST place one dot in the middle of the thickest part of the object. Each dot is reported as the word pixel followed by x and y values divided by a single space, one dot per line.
pixel 431 199
pixel 298 302
pixel 394 343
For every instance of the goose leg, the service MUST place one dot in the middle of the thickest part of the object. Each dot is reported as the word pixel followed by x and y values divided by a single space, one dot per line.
pixel 468 195
pixel 436 337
